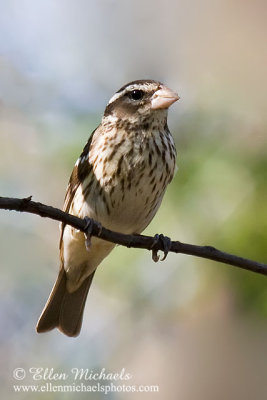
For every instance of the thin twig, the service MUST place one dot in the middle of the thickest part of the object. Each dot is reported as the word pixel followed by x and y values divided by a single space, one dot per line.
pixel 136 241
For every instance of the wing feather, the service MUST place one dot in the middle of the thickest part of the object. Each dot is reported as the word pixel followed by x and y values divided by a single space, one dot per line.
pixel 80 171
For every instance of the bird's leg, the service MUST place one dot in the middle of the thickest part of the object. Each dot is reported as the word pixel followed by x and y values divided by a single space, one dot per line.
pixel 166 241
pixel 90 224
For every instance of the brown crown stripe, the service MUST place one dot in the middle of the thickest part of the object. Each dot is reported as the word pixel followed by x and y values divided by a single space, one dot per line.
pixel 137 83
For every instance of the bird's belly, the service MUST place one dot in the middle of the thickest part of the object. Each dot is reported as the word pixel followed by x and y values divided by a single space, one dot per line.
pixel 132 212
pixel 129 204
pixel 123 192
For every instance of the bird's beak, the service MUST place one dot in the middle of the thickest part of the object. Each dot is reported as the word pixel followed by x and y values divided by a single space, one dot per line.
pixel 163 98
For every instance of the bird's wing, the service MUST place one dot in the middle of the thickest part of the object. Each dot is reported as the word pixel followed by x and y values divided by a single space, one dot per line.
pixel 79 172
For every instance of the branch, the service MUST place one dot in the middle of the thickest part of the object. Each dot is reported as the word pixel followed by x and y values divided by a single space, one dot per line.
pixel 136 241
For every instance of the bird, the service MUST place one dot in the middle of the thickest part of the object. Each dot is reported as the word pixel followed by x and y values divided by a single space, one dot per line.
pixel 119 180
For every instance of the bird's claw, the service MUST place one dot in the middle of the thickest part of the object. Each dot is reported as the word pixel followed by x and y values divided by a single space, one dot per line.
pixel 90 223
pixel 166 241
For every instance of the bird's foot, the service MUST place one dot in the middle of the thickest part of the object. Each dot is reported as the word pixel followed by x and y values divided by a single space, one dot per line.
pixel 90 224
pixel 166 241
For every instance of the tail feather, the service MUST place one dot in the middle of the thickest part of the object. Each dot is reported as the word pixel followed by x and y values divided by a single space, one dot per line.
pixel 64 310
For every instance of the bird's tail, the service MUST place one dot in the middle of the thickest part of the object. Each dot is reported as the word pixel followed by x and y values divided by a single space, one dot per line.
pixel 64 310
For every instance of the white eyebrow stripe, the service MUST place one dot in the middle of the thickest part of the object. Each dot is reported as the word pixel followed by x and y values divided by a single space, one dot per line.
pixel 116 96
pixel 138 86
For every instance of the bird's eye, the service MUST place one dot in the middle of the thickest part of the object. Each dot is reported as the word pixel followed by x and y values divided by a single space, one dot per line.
pixel 136 94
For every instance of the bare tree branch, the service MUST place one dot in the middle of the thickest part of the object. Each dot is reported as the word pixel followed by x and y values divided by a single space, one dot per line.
pixel 137 241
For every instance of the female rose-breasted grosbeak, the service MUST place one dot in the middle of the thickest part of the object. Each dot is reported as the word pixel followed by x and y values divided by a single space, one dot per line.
pixel 119 180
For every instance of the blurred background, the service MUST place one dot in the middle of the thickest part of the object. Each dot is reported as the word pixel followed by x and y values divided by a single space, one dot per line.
pixel 194 327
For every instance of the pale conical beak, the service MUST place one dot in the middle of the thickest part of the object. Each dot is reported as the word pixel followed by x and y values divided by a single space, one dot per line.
pixel 163 98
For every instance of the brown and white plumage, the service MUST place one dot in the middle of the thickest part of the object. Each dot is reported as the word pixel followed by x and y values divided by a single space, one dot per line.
pixel 119 180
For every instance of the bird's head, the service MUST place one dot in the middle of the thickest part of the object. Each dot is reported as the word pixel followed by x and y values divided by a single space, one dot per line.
pixel 140 101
